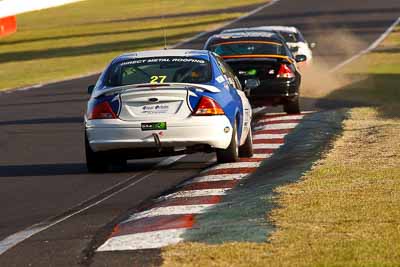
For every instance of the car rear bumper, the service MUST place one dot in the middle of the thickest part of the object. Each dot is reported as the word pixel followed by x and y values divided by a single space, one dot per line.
pixel 272 92
pixel 269 88
pixel 107 135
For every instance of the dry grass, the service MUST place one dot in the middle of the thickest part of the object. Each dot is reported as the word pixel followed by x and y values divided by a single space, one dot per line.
pixel 81 38
pixel 346 210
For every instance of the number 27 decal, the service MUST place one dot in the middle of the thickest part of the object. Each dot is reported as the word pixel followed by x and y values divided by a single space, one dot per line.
pixel 158 79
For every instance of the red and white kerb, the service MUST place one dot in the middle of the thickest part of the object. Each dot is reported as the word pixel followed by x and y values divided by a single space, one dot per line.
pixel 171 216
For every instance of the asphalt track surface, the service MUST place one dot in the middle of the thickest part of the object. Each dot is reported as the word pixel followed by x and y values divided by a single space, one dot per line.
pixel 42 170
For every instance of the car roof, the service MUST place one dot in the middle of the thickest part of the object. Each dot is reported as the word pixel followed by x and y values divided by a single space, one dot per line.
pixel 265 36
pixel 251 29
pixel 290 29
pixel 228 35
pixel 203 54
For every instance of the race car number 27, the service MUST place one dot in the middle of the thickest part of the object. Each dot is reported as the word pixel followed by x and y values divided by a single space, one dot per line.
pixel 158 79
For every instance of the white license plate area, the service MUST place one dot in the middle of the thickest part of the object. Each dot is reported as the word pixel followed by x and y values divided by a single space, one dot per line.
pixel 156 109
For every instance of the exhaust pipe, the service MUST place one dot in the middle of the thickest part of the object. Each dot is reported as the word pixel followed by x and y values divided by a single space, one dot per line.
pixel 157 141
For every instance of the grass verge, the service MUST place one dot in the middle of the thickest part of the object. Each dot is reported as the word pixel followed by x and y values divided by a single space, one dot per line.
pixel 345 211
pixel 81 38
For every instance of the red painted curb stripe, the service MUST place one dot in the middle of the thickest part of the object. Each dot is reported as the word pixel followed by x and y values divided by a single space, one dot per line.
pixel 250 159
pixel 230 171
pixel 210 185
pixel 282 131
pixel 187 204
pixel 263 150
pixel 154 224
pixel 269 141
pixel 188 201
pixel 277 122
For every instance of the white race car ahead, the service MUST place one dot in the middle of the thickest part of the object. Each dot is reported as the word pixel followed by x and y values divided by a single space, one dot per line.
pixel 292 36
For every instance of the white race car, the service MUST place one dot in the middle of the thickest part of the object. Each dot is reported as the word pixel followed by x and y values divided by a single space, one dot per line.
pixel 292 36
pixel 158 103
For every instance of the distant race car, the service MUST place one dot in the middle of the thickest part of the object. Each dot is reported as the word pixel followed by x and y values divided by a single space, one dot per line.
pixel 157 103
pixel 292 36
pixel 264 65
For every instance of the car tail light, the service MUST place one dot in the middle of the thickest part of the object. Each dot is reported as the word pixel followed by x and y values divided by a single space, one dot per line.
pixel 285 72
pixel 207 107
pixel 101 110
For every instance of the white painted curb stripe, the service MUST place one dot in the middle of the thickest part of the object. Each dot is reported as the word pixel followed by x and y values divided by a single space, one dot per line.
pixel 216 178
pixel 278 126
pixel 196 193
pixel 147 240
pixel 236 165
pixel 269 136
pixel 266 146
pixel 369 49
pixel 262 156
pixel 169 210
pixel 289 117
pixel 257 110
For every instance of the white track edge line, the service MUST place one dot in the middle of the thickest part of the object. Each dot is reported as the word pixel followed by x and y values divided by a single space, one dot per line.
pixel 16 238
pixel 258 9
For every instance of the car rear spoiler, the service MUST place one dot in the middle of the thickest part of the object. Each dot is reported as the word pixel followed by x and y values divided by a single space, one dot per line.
pixel 258 57
pixel 153 86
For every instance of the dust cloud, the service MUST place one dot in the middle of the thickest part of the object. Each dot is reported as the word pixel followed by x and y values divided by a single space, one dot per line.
pixel 333 47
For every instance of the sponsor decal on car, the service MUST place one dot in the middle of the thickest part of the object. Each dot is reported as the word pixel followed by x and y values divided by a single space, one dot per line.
pixel 157 60
pixel 155 109
pixel 154 126
pixel 220 79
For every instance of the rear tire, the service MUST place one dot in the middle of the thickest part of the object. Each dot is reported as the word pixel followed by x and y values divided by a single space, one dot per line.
pixel 95 162
pixel 231 153
pixel 292 107
pixel 246 150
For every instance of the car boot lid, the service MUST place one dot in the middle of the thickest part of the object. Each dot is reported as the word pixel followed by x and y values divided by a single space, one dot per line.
pixel 151 86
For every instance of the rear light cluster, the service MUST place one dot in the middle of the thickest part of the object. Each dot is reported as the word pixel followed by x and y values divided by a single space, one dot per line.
pixel 102 111
pixel 208 107
pixel 285 72
pixel 103 108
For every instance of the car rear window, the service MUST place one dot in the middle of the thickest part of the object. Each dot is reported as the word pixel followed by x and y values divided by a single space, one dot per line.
pixel 160 70
pixel 248 48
